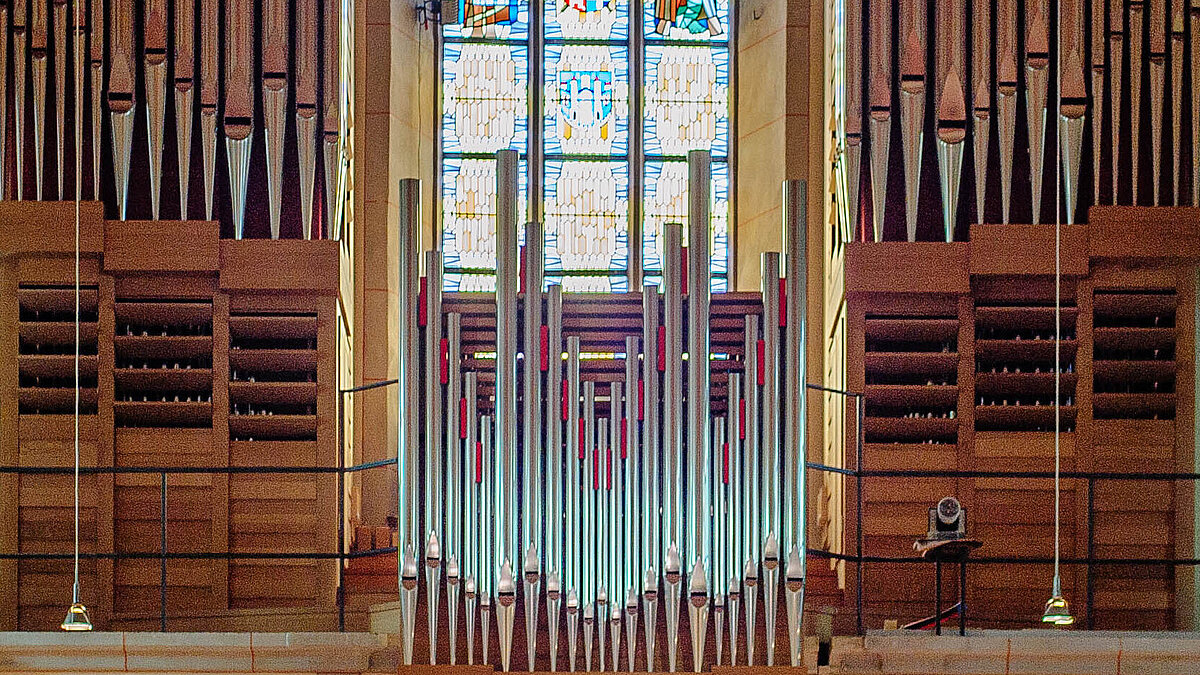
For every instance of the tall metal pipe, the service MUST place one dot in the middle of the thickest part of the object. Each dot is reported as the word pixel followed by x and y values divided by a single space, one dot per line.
pixel 435 467
pixel 633 507
pixel 1099 35
pixel 473 485
pixel 533 493
pixel 699 448
pixel 951 106
pixel 735 507
pixel 913 80
pixel 62 31
pixel 97 66
pixel 574 506
pixel 1136 43
pixel 1116 38
pixel 1178 27
pixel 506 372
pixel 795 234
pixel 408 394
pixel 1158 76
pixel 331 115
pixel 672 520
pixel 4 68
pixel 589 542
pixel 487 497
pixel 1073 102
pixel 121 88
pixel 1037 82
pixel 981 94
pixel 772 503
pixel 1006 98
pixel 652 545
pixel 752 525
pixel 454 476
pixel 555 523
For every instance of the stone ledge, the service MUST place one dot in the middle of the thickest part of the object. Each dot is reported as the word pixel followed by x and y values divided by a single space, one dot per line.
pixel 1011 652
pixel 188 652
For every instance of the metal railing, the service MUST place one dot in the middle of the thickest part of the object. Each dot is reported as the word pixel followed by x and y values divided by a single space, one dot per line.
pixel 860 559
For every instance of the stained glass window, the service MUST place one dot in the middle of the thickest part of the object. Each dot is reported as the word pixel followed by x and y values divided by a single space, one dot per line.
pixel 613 140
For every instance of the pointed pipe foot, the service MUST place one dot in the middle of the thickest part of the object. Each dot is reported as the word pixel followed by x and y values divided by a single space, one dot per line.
pixel 553 608
pixel 274 120
pixel 631 621
pixel 794 586
pixel 237 149
pixel 433 583
pixel 306 150
pixel 770 594
pixel 572 629
pixel 881 132
pixel 156 120
pixel 650 608
pixel 122 142
pixel 485 632
pixel 506 609
pixel 532 584
pixel 453 584
pixel 183 136
pixel 408 606
pixel 470 603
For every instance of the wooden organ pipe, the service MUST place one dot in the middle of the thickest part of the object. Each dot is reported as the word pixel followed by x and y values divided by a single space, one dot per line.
pixel 185 80
pixel 951 105
pixel 1158 76
pixel 1178 9
pixel 981 95
pixel 332 121
pixel 39 60
pixel 155 54
pixel 1099 35
pixel 1073 102
pixel 274 48
pixel 913 30
pixel 1037 82
pixel 854 134
pixel 306 108
pixel 1006 98
pixel 209 97
pixel 239 103
pixel 62 37
pixel 121 88
pixel 880 116
pixel 96 68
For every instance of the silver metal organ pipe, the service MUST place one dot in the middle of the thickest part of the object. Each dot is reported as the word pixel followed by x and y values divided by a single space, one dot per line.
pixel 631 454
pixel 795 195
pixel 752 517
pixel 435 463
pixel 453 439
pixel 532 447
pixel 408 398
pixel 615 484
pixel 306 109
pixel 155 54
pixel 575 451
pixel 672 423
pixel 489 533
pixel 771 468
pixel 588 445
pixel 506 356
pixel 699 483
pixel 209 97
pixel 554 431
pixel 473 480
pixel 652 545
pixel 185 90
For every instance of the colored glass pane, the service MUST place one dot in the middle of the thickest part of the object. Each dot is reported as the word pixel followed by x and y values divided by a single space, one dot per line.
pixel 483 98
pixel 586 214
pixel 469 212
pixel 687 19
pixel 587 100
pixel 587 19
pixel 666 201
pixel 686 100
pixel 493 20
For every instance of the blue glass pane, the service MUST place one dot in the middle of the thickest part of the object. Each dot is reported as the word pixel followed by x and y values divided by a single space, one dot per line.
pixel 469 283
pixel 586 215
pixel 687 19
pixel 492 19
pixel 611 284
pixel 587 100
pixel 666 202
pixel 687 100
pixel 587 19
pixel 469 212
pixel 484 97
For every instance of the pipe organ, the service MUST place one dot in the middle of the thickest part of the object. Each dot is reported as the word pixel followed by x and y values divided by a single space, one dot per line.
pixel 560 462
pixel 172 64
pixel 1093 106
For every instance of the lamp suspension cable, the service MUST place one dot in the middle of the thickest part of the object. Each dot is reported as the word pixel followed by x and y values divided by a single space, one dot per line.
pixel 77 617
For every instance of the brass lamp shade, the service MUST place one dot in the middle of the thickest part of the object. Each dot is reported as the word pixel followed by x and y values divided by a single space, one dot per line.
pixel 1057 612
pixel 77 618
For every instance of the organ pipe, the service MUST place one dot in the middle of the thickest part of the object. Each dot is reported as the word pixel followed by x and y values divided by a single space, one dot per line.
pixel 185 94
pixel 155 69
pixel 912 104
pixel 880 116
pixel 306 110
pixel 209 98
pixel 275 32
pixel 120 96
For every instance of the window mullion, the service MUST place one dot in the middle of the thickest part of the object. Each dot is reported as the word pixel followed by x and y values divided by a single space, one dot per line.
pixel 635 152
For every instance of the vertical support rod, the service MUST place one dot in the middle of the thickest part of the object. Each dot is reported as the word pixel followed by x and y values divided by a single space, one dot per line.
pixel 162 549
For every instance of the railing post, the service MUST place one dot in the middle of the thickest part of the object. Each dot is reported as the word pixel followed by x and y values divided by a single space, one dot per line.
pixel 162 552
pixel 858 512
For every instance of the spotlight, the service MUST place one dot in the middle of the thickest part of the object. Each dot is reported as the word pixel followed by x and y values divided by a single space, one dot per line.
pixel 1057 612
pixel 77 618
